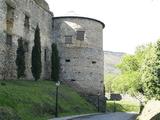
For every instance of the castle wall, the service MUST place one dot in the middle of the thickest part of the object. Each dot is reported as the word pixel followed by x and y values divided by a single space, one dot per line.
pixel 25 16
pixel 79 40
pixel 81 60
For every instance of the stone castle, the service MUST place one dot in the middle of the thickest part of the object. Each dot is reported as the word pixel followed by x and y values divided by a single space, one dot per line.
pixel 79 41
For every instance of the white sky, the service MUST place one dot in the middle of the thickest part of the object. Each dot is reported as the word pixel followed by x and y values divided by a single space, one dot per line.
pixel 129 23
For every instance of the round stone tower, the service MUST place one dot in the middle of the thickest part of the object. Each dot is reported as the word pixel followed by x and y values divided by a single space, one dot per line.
pixel 80 45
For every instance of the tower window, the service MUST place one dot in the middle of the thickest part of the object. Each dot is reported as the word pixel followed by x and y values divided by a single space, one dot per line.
pixel 26 46
pixel 9 18
pixel 10 13
pixel 45 55
pixel 73 80
pixel 80 35
pixel 26 22
pixel 68 60
pixel 9 39
pixel 68 39
pixel 94 62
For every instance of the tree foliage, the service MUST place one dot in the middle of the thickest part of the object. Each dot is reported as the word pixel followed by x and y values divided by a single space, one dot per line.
pixel 129 80
pixel 140 73
pixel 55 63
pixel 20 60
pixel 151 72
pixel 36 55
pixel 109 81
pixel 128 63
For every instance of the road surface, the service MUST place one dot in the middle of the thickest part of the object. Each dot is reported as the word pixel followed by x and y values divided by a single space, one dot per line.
pixel 110 116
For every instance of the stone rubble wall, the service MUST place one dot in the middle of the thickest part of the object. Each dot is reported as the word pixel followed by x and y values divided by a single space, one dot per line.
pixel 43 4
pixel 86 58
pixel 81 70
pixel 37 16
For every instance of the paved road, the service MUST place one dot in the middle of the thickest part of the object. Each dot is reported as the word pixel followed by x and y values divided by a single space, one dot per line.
pixel 110 116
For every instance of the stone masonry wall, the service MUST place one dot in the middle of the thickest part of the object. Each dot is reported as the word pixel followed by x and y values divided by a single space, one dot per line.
pixel 36 15
pixel 81 61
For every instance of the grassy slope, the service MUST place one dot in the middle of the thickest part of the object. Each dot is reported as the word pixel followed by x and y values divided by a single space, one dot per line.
pixel 36 100
pixel 122 106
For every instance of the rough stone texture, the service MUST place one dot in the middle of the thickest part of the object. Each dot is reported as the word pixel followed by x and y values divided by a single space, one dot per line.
pixel 80 70
pixel 19 18
pixel 43 4
pixel 37 16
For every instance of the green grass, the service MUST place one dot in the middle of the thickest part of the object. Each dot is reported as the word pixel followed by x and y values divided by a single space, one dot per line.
pixel 32 100
pixel 122 106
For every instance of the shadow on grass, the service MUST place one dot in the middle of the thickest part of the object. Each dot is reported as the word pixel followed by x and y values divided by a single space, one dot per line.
pixel 121 107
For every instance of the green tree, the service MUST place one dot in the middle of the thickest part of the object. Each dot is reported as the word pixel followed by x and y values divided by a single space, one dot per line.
pixel 128 63
pixel 109 81
pixel 140 72
pixel 141 52
pixel 55 63
pixel 20 60
pixel 127 82
pixel 151 72
pixel 36 55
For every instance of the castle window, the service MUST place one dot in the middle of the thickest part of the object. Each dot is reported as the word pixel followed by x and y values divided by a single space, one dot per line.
pixel 10 13
pixel 73 80
pixel 68 39
pixel 94 62
pixel 80 35
pixel 68 60
pixel 9 18
pixel 26 46
pixel 9 39
pixel 26 22
pixel 45 55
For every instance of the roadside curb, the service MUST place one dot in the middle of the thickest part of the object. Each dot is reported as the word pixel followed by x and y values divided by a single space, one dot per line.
pixel 76 116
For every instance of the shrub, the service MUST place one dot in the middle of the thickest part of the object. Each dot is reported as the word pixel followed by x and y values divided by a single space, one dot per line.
pixel 20 60
pixel 36 56
pixel 55 63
